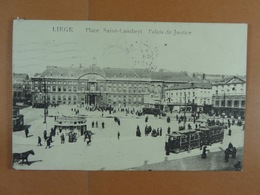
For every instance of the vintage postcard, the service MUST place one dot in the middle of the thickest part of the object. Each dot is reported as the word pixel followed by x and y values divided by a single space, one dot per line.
pixel 96 95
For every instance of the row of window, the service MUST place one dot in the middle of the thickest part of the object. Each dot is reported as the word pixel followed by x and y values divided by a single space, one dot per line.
pixel 187 93
pixel 230 103
pixel 111 85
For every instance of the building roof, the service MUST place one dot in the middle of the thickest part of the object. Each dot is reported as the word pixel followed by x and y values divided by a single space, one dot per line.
pixel 20 77
pixel 191 86
pixel 231 80
pixel 169 76
pixel 114 73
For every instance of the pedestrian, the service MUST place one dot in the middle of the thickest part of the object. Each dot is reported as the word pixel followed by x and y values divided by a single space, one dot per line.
pixel 204 152
pixel 93 124
pixel 146 130
pixel 62 138
pixel 39 141
pixel 50 137
pixel 169 130
pixel 96 124
pixel 85 135
pixel 45 135
pixel 89 138
pixel 229 132
pixel 160 131
pixel 118 135
pixel 226 155
pixel 118 122
pixel 103 125
pixel 54 131
pixel 48 141
pixel 234 152
pixel 146 119
pixel 229 123
pixel 26 131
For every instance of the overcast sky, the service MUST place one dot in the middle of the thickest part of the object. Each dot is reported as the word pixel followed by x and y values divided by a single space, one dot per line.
pixel 208 48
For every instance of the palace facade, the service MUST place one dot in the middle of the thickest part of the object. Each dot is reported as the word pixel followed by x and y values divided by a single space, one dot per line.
pixel 229 97
pixel 93 85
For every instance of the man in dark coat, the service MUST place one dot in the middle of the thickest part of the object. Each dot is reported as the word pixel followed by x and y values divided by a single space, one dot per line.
pixel 169 130
pixel 39 141
pixel 229 132
pixel 89 139
pixel 45 135
pixel 48 141
pixel 226 155
pixel 234 152
pixel 103 125
pixel 204 152
pixel 62 138
pixel 118 135
pixel 160 131
pixel 26 131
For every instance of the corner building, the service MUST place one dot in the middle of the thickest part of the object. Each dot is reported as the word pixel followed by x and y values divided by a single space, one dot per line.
pixel 93 85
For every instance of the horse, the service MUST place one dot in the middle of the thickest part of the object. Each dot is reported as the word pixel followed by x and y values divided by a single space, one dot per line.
pixel 22 156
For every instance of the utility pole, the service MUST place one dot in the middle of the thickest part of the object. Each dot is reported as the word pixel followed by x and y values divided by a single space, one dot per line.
pixel 45 103
pixel 224 105
pixel 184 116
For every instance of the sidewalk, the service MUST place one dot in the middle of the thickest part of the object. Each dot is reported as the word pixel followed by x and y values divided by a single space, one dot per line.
pixel 214 162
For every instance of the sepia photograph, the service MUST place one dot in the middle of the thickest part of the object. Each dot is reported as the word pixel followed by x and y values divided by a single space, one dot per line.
pixel 131 96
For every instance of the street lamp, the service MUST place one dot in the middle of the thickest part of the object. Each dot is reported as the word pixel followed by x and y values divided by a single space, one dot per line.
pixel 44 101
pixel 184 115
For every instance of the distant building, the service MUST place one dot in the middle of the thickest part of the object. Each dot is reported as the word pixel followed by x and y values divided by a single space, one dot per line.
pixel 93 85
pixel 193 96
pixel 21 88
pixel 229 97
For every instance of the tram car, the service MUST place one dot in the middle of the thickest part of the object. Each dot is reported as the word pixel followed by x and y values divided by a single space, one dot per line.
pixel 187 140
pixel 153 111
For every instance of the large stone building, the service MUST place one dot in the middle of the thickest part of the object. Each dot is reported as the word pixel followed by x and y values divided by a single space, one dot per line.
pixel 21 88
pixel 229 97
pixel 193 96
pixel 93 85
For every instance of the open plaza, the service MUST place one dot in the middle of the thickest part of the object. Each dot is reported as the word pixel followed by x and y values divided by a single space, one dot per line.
pixel 116 146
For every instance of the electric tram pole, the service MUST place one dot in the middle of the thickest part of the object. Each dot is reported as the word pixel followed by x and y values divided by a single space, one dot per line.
pixel 45 104
pixel 184 115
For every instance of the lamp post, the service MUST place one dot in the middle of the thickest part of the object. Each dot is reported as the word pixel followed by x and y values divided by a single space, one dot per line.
pixel 224 105
pixel 45 102
pixel 184 115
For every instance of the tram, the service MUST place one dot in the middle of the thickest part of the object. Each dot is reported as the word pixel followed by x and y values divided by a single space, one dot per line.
pixel 187 140
pixel 153 111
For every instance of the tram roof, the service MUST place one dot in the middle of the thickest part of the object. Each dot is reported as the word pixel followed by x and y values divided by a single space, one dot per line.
pixel 207 128
pixel 180 133
pixel 187 131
